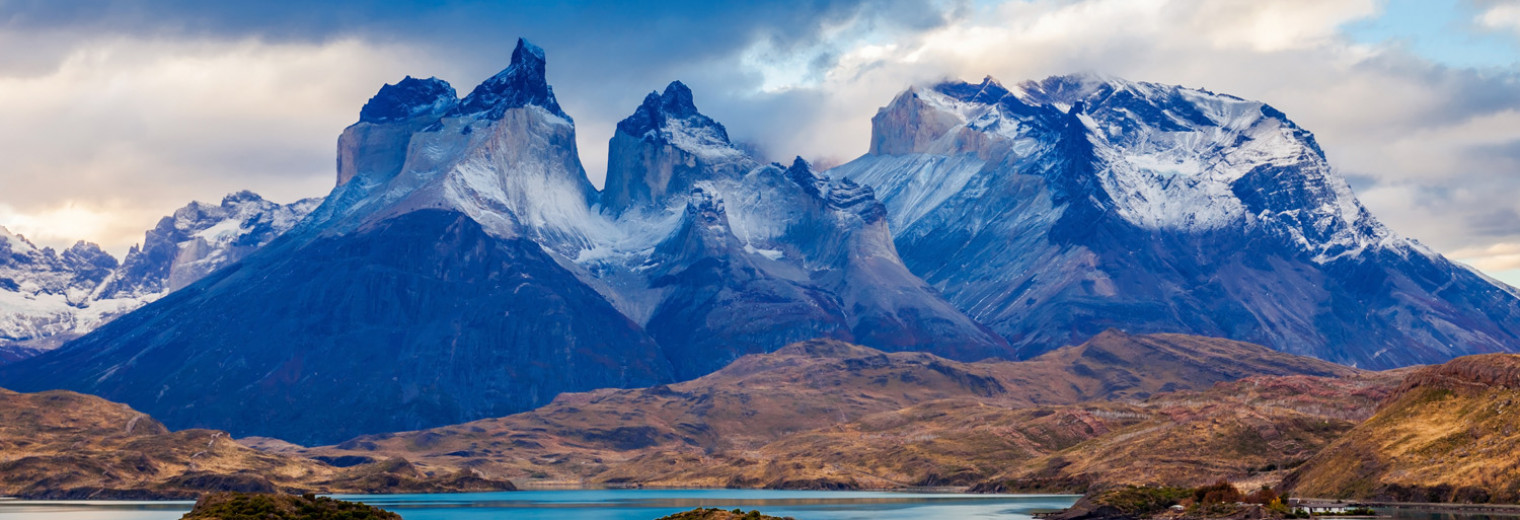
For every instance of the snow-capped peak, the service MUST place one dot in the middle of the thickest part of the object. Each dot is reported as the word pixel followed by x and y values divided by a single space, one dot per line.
pixel 16 242
pixel 409 98
pixel 801 173
pixel 663 149
pixel 522 83
pixel 1163 156
pixel 672 118
pixel 988 92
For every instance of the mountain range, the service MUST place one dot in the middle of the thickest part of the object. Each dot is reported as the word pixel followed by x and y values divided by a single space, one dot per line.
pixel 1057 209
pixel 48 297
pixel 464 267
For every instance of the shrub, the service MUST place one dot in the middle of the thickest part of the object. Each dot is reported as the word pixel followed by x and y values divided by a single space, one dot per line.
pixel 1264 496
pixel 1141 501
pixel 1221 492
pixel 1277 506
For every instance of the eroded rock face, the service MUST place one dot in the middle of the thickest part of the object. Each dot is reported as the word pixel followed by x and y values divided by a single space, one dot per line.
pixel 720 304
pixel 1061 208
pixel 664 149
pixel 377 145
pixel 523 83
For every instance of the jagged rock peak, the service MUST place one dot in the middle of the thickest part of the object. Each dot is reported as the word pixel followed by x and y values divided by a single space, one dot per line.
pixel 671 115
pixel 521 84
pixel 241 196
pixel 676 102
pixel 706 206
pixel 88 255
pixel 16 240
pixel 664 148
pixel 408 98
pixel 801 173
pixel 989 91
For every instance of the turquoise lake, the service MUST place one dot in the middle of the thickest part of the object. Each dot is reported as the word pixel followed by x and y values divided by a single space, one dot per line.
pixel 611 505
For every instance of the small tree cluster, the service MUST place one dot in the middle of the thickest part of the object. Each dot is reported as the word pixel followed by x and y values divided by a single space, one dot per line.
pixel 1221 492
pixel 1264 496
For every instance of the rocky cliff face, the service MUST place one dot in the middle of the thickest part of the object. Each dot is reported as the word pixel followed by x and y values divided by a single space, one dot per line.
pixel 1080 203
pixel 376 146
pixel 663 149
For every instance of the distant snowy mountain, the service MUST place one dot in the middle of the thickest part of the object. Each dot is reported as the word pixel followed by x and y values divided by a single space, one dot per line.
pixel 198 239
pixel 45 295
pixel 48 298
pixel 1058 209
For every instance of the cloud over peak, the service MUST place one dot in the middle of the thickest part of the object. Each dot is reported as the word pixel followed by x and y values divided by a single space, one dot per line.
pixel 128 109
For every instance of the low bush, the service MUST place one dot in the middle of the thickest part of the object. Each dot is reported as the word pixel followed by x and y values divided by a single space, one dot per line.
pixel 1143 500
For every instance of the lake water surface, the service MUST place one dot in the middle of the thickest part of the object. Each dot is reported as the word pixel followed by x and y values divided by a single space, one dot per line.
pixel 611 505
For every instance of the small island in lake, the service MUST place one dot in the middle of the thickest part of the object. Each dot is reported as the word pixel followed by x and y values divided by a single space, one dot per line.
pixel 267 506
pixel 721 514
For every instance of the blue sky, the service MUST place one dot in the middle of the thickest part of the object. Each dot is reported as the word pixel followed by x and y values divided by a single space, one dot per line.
pixel 1444 31
pixel 118 111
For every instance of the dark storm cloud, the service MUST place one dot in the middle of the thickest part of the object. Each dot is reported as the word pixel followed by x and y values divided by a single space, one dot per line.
pixel 615 37
pixel 1496 222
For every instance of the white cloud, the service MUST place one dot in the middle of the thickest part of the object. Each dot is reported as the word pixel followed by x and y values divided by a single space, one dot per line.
pixel 122 131
pixel 63 224
pixel 1503 17
pixel 1502 256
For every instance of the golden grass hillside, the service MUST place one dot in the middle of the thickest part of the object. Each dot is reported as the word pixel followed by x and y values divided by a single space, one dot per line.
pixel 1450 434
pixel 826 414
pixel 1251 432
pixel 60 444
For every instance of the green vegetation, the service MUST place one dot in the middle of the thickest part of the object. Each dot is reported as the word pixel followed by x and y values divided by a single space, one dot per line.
pixel 1143 500
pixel 250 506
pixel 1217 500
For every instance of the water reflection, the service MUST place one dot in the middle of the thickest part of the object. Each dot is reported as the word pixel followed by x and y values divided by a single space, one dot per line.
pixel 1409 514
pixel 612 505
